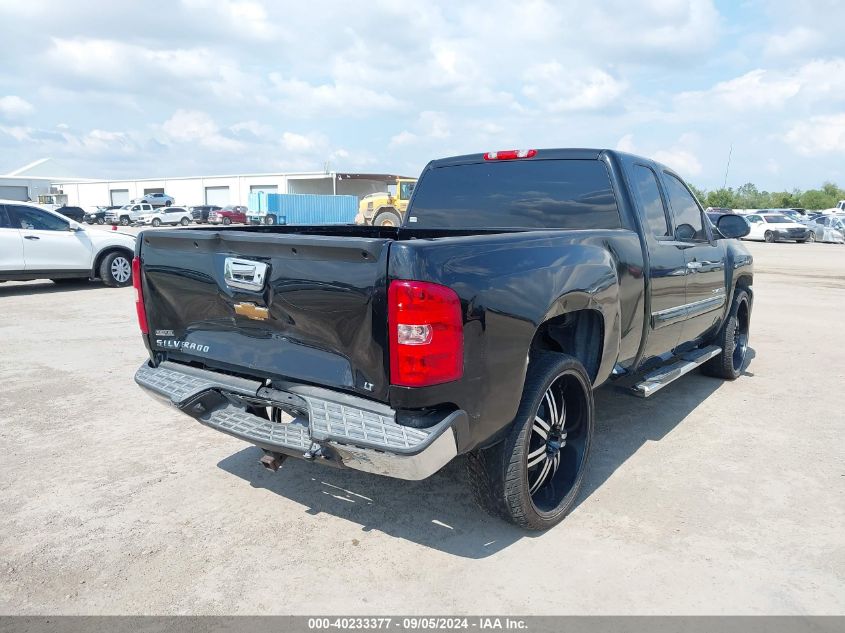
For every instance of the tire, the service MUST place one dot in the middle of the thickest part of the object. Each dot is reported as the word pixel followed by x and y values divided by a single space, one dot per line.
pixel 270 220
pixel 811 237
pixel 101 221
pixel 733 339
pixel 226 221
pixel 156 222
pixel 116 270
pixel 504 481
pixel 769 236
pixel 124 220
pixel 387 218
pixel 168 203
pixel 184 221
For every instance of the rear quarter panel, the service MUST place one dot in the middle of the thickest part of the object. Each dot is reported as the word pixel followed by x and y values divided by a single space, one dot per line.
pixel 511 283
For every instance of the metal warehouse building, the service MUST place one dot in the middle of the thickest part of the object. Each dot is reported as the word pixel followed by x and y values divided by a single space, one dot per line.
pixel 221 190
pixel 24 187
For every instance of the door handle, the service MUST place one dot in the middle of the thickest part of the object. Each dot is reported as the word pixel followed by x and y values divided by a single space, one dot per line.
pixel 31 237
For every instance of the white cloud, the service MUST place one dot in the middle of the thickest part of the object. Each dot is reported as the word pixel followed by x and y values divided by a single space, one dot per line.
pixel 403 138
pixel 17 132
pixel 818 134
pixel 769 89
pixel 13 107
pixel 338 98
pixel 558 88
pixel 626 144
pixel 681 160
pixel 146 70
pixel 244 16
pixel 255 128
pixel 194 126
pixel 796 41
pixel 301 143
pixel 755 89
pixel 430 126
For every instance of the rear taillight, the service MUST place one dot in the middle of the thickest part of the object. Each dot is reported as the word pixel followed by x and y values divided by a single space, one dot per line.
pixel 139 296
pixel 426 334
pixel 511 154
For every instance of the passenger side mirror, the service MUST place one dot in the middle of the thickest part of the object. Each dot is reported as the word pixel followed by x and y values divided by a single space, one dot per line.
pixel 732 226
pixel 74 226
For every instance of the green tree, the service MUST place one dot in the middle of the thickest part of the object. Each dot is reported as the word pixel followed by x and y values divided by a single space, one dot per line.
pixel 748 196
pixel 701 194
pixel 784 199
pixel 721 198
pixel 833 191
pixel 817 199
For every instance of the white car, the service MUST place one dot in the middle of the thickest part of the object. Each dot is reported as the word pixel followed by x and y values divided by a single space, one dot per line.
pixel 166 215
pixel 155 199
pixel 772 227
pixel 127 214
pixel 39 244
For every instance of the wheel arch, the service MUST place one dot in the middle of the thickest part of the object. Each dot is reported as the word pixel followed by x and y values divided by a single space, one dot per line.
pixel 95 270
pixel 579 333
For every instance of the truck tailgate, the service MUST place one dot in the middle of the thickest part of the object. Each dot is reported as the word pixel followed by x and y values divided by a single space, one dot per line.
pixel 319 315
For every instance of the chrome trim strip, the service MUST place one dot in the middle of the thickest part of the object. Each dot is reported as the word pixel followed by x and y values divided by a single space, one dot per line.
pixel 676 314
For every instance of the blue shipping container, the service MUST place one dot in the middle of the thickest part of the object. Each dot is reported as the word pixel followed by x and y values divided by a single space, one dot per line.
pixel 303 208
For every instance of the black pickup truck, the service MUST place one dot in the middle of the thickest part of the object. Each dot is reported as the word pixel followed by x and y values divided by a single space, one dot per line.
pixel 518 282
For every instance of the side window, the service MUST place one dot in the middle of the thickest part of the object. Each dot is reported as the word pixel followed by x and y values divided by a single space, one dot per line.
pixel 5 223
pixel 648 193
pixel 822 220
pixel 753 218
pixel 688 223
pixel 35 219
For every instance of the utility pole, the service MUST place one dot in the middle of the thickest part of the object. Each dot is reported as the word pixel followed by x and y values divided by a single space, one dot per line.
pixel 728 166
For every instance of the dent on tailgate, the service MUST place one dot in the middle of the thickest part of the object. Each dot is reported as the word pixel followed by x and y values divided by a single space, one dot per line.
pixel 318 316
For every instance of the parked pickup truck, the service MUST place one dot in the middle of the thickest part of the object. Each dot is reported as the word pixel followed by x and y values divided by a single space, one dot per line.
pixel 518 282
pixel 127 214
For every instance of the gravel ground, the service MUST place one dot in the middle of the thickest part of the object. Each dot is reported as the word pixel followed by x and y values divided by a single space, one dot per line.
pixel 708 498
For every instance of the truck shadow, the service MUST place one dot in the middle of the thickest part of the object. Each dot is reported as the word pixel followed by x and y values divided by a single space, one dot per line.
pixel 46 287
pixel 440 512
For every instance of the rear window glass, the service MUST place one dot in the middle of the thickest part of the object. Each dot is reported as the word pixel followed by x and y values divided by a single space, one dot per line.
pixel 555 194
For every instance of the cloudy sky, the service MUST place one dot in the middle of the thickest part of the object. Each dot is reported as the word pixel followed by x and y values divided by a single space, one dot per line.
pixel 194 87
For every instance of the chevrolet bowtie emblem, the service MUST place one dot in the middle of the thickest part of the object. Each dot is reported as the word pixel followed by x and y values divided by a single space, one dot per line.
pixel 252 311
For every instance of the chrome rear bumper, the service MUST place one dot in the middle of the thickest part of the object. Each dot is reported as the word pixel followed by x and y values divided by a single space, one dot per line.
pixel 325 425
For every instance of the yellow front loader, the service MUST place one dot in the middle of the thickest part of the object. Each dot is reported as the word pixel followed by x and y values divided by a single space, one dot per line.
pixel 386 208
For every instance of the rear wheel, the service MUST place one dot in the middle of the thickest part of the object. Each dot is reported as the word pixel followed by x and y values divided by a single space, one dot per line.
pixel 270 220
pixel 769 236
pixel 387 218
pixel 184 221
pixel 156 222
pixel 124 220
pixel 532 477
pixel 733 339
pixel 167 203
pixel 116 270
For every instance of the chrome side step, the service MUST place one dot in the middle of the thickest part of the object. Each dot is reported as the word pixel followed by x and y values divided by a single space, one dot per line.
pixel 659 378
